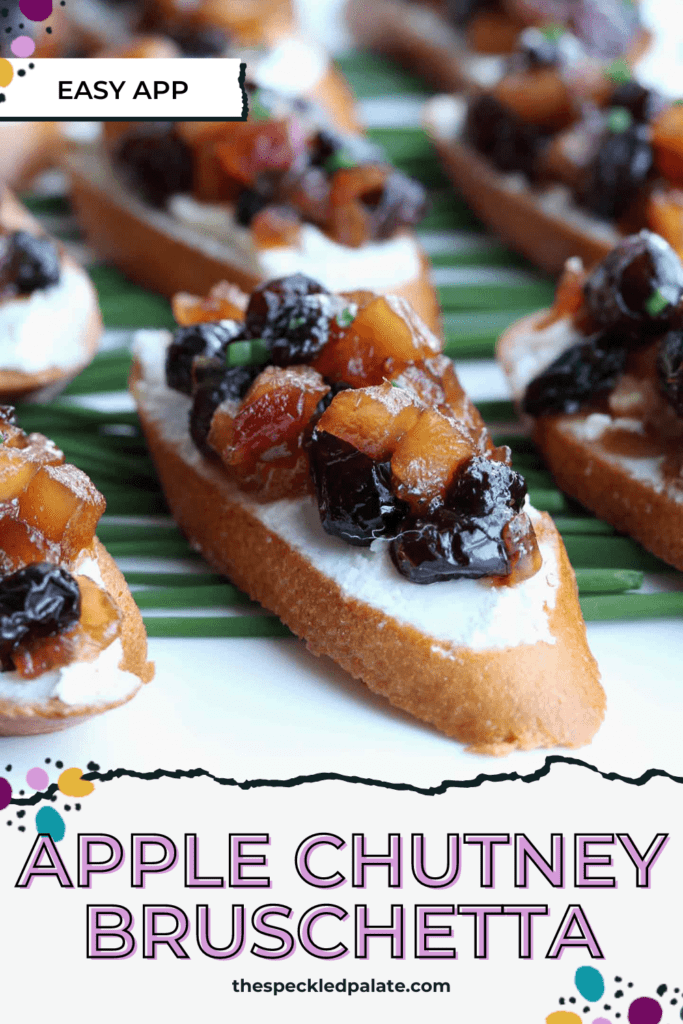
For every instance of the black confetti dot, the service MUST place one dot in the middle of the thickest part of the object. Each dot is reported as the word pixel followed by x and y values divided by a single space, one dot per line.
pixel 21 73
pixel 59 764
pixel 586 1009
pixel 2 97
pixel 8 768
pixel 31 66
pixel 47 760
pixel 571 999
pixel 9 822
pixel 561 1000
pixel 618 994
pixel 21 792
pixel 617 1015
pixel 677 990
pixel 630 985
pixel 67 807
pixel 92 767
pixel 661 990
pixel 8 30
pixel 607 1006
pixel 53 798
pixel 673 1002
pixel 4 12
pixel 77 807
pixel 617 979
pixel 21 25
pixel 49 31
pixel 21 814
pixel 22 828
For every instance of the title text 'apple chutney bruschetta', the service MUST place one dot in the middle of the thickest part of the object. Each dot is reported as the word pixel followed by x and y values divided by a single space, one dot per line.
pixel 72 642
pixel 601 373
pixel 50 322
pixel 284 192
pixel 319 449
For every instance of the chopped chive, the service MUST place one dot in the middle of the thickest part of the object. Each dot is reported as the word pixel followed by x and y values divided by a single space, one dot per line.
pixel 619 120
pixel 346 317
pixel 247 353
pixel 608 581
pixel 629 607
pixel 553 32
pixel 340 160
pixel 256 111
pixel 203 596
pixel 657 303
pixel 620 552
pixel 619 71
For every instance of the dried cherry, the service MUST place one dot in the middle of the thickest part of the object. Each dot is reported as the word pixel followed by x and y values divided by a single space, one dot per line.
pixel 292 315
pixel 37 601
pixel 501 136
pixel 620 168
pixel 155 161
pixel 575 377
pixel 213 383
pixel 28 262
pixel 447 545
pixel 670 368
pixel 353 491
pixel 483 485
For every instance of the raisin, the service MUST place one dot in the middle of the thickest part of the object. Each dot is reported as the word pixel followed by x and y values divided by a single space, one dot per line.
pixel 353 491
pixel 575 377
pixel 201 40
pixel 37 601
pixel 214 382
pixel 401 203
pixel 8 415
pixel 155 161
pixel 203 339
pixel 498 134
pixel 29 262
pixel 447 546
pixel 642 103
pixel 482 486
pixel 250 202
pixel 619 171
pixel 670 369
pixel 292 315
pixel 635 291
pixel 460 12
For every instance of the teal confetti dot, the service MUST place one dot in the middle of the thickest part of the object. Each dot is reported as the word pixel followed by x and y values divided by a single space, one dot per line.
pixel 50 821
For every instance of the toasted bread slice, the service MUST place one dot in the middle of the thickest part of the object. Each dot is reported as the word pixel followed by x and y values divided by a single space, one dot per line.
pixel 498 668
pixel 602 461
pixel 167 255
pixel 70 307
pixel 544 225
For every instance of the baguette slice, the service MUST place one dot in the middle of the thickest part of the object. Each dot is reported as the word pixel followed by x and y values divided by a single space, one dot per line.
pixel 545 226
pixel 162 253
pixel 626 488
pixel 84 326
pixel 64 697
pixel 420 36
pixel 497 668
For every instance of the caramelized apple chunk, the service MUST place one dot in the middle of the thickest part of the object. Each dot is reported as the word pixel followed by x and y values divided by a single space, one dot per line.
pixel 374 338
pixel 427 457
pixel 262 443
pixel 667 143
pixel 64 505
pixel 372 419
pixel 225 301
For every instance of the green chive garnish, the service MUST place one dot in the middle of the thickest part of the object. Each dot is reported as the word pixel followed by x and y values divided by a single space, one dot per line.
pixel 619 71
pixel 657 303
pixel 619 119
pixel 257 111
pixel 339 160
pixel 247 353
pixel 346 317
pixel 553 32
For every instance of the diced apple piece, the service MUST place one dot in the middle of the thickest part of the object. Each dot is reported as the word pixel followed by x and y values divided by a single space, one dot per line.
pixel 493 32
pixel 266 450
pixel 384 336
pixel 569 301
pixel 372 419
pixel 225 301
pixel 42 451
pixel 539 97
pixel 64 504
pixel 222 428
pixel 255 147
pixel 427 458
pixel 16 472
pixel 354 191
pixel 463 410
pixel 664 216
pixel 522 547
pixel 667 143
pixel 275 226
pixel 21 544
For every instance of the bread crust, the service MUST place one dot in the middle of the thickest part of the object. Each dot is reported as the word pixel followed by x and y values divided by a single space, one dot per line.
pixel 420 37
pixel 547 239
pixel 586 470
pixel 51 715
pixel 121 234
pixel 16 385
pixel 530 696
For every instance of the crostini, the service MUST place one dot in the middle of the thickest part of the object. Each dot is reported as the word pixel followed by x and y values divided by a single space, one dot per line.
pixel 464 44
pixel 319 449
pixel 556 176
pixel 601 377
pixel 280 193
pixel 50 322
pixel 72 641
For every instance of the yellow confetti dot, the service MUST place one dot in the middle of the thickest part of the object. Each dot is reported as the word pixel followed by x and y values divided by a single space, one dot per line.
pixel 563 1017
pixel 71 784
pixel 6 72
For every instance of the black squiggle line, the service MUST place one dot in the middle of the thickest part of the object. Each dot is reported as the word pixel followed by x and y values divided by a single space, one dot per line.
pixel 400 787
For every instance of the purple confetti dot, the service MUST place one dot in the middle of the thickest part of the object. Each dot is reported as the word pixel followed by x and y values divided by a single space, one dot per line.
pixel 36 10
pixel 37 778
pixel 644 1011
pixel 5 793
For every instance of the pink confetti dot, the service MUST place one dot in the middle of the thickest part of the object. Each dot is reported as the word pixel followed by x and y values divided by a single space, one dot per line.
pixel 23 46
pixel 37 778
pixel 601 1020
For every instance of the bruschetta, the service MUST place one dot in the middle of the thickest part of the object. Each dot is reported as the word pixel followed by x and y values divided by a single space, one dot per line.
pixel 465 44
pixel 50 323
pixel 72 641
pixel 283 192
pixel 319 449
pixel 600 376
pixel 557 176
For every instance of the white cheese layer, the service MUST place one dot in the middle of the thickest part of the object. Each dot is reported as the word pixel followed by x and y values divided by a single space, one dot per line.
pixel 45 330
pixel 466 613
pixel 82 683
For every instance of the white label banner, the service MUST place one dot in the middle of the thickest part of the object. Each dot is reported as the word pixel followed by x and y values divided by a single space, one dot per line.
pixel 124 88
